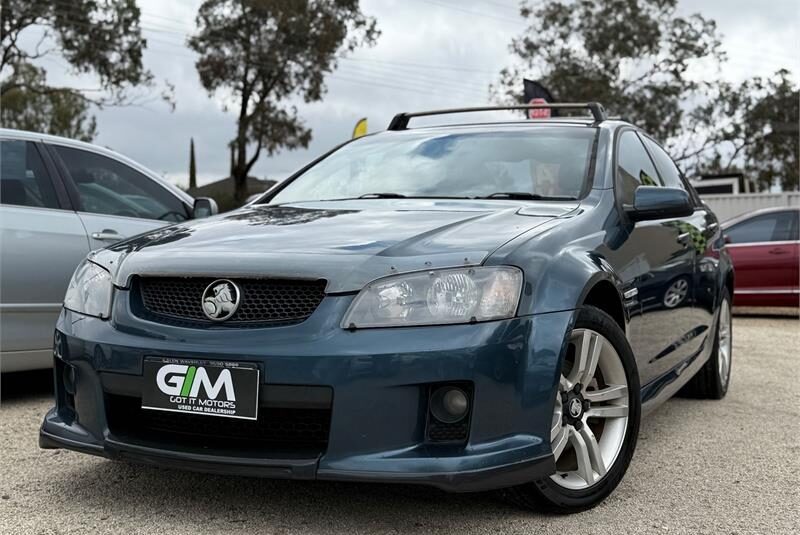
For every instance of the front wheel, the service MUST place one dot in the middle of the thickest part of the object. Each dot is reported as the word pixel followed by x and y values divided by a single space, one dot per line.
pixel 595 419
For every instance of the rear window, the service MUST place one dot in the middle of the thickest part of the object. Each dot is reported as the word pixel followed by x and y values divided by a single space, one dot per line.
pixel 547 161
pixel 23 178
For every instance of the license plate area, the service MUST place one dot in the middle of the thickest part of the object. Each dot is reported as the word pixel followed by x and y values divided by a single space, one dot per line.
pixel 203 387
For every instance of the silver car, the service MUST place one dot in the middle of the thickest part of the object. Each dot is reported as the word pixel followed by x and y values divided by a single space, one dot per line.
pixel 59 199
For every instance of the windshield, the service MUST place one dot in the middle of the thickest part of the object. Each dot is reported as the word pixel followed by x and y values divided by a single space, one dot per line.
pixel 547 162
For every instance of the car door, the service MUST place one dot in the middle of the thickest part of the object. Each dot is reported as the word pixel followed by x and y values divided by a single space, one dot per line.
pixel 703 229
pixel 657 260
pixel 764 250
pixel 42 242
pixel 115 201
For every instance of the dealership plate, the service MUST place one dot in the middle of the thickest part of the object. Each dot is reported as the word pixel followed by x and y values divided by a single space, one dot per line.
pixel 210 388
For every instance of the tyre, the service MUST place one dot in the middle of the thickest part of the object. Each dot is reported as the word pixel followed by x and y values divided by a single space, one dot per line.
pixel 595 419
pixel 712 380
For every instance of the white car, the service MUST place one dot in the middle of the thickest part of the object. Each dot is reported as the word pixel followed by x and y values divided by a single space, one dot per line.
pixel 59 199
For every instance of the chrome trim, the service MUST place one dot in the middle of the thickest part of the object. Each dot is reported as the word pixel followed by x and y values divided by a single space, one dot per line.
pixel 784 291
pixel 763 243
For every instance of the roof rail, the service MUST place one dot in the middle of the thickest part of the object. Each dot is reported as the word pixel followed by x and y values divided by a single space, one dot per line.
pixel 400 121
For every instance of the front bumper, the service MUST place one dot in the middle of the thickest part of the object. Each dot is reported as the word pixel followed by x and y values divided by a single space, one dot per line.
pixel 378 381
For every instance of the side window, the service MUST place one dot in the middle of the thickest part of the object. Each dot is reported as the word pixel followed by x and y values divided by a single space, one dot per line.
pixel 106 186
pixel 23 178
pixel 758 229
pixel 634 167
pixel 666 167
pixel 785 226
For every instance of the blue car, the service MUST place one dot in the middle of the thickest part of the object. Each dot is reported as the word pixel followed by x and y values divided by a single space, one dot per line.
pixel 474 307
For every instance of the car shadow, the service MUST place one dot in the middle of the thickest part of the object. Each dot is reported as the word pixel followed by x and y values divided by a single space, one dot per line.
pixel 257 502
pixel 25 385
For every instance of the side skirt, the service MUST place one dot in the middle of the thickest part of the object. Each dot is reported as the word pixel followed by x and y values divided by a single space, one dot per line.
pixel 665 386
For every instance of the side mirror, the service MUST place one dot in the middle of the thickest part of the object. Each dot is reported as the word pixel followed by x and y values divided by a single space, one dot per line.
pixel 204 207
pixel 654 202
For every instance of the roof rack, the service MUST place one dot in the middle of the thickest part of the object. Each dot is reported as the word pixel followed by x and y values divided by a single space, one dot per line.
pixel 400 121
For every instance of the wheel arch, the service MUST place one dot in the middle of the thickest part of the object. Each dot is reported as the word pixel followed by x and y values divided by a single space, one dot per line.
pixel 729 282
pixel 603 294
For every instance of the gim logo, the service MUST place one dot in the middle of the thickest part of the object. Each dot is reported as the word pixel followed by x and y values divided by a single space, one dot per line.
pixel 185 381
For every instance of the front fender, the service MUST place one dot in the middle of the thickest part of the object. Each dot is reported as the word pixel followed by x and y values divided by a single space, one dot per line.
pixel 561 280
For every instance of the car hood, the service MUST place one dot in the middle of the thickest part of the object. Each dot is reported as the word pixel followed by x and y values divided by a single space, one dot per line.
pixel 348 243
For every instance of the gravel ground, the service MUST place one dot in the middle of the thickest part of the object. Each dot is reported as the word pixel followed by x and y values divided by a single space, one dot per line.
pixel 700 467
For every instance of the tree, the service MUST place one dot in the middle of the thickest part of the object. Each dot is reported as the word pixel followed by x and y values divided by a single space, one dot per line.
pixel 755 128
pixel 260 53
pixel 635 56
pixel 55 111
pixel 100 38
pixel 631 55
pixel 192 166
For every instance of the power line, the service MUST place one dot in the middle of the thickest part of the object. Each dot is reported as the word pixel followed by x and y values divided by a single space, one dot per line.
pixel 419 65
pixel 502 5
pixel 431 86
pixel 507 20
pixel 407 71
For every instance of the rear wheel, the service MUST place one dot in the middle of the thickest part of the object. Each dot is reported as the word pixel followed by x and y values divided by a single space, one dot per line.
pixel 595 419
pixel 712 380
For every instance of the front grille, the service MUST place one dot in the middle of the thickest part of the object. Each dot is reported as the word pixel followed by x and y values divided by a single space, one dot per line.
pixel 264 302
pixel 277 428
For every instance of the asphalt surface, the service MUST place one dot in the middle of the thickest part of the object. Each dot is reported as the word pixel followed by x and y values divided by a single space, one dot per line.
pixel 700 467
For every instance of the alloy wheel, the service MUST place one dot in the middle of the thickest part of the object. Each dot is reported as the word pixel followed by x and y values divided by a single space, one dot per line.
pixel 591 411
pixel 724 343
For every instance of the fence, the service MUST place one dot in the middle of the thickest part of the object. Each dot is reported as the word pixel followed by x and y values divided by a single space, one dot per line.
pixel 731 205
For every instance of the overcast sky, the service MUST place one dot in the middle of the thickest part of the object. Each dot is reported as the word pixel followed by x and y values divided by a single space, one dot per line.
pixel 432 53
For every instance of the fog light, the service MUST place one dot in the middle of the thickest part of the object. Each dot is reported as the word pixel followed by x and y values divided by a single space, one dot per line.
pixel 449 404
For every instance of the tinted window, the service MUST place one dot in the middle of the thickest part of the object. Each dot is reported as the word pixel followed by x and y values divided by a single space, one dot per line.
pixel 786 226
pixel 106 186
pixel 23 178
pixel 666 167
pixel 634 167
pixel 777 226
pixel 550 161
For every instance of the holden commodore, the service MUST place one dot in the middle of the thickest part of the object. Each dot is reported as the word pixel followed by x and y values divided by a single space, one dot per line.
pixel 475 306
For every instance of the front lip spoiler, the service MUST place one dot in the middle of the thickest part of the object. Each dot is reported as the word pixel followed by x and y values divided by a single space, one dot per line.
pixel 284 468
pixel 307 468
pixel 493 478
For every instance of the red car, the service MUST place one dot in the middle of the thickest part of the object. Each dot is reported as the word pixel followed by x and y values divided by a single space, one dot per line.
pixel 765 249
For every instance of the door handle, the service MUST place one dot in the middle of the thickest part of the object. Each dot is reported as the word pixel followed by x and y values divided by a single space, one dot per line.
pixel 684 238
pixel 778 250
pixel 107 235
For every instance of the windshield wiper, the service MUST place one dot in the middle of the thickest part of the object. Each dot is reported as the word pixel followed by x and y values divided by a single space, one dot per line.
pixel 382 196
pixel 525 196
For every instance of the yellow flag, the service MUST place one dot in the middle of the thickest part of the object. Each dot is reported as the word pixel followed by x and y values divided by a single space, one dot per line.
pixel 361 128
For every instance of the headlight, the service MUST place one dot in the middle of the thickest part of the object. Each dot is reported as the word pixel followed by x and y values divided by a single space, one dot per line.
pixel 89 291
pixel 437 297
